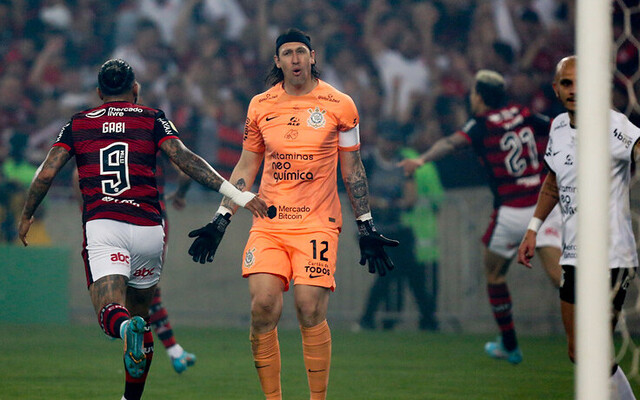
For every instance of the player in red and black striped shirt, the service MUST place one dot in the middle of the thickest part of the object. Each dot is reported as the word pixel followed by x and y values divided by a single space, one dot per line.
pixel 115 146
pixel 510 142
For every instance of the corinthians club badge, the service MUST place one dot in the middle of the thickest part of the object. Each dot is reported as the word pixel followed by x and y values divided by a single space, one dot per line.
pixel 316 118
pixel 249 258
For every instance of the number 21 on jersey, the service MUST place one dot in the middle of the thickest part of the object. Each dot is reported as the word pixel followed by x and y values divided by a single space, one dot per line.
pixel 514 142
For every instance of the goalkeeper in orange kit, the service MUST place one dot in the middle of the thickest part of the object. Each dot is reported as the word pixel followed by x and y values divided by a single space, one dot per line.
pixel 300 128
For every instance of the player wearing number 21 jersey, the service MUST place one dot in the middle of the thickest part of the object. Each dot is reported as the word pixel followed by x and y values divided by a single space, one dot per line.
pixel 509 140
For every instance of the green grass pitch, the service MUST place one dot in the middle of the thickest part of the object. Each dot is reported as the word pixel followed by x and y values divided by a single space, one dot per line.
pixel 79 362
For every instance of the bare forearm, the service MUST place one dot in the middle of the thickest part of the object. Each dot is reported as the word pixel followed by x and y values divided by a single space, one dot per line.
pixel 355 182
pixel 548 198
pixel 358 191
pixel 199 170
pixel 37 192
pixel 192 164
pixel 241 185
pixel 440 148
pixel 243 175
pixel 43 179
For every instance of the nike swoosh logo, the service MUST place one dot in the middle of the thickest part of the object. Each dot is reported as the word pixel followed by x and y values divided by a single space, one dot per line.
pixel 262 366
pixel 314 276
pixel 555 153
pixel 316 370
pixel 272 117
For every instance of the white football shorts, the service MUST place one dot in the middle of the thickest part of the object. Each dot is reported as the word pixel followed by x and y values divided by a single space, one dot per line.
pixel 509 224
pixel 117 248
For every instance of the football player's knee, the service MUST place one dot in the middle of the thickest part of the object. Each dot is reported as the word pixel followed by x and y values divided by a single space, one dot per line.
pixel 264 308
pixel 309 311
pixel 493 274
pixel 494 278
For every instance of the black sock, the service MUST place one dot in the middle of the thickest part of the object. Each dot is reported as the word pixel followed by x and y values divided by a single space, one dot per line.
pixel 110 318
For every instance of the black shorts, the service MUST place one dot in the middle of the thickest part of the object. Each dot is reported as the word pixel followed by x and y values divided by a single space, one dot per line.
pixel 620 278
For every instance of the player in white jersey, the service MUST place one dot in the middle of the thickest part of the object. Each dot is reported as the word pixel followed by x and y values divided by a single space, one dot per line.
pixel 560 157
pixel 560 186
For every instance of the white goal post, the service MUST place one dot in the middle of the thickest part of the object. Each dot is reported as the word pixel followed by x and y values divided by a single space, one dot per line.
pixel 593 344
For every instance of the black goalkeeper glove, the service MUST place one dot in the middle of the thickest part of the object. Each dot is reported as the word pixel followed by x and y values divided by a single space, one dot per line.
pixel 372 248
pixel 208 238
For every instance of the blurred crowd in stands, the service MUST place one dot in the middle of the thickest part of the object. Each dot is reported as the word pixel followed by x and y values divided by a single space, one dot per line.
pixel 201 61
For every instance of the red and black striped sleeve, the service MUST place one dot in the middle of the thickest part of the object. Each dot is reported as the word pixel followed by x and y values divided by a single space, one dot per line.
pixel 65 138
pixel 163 129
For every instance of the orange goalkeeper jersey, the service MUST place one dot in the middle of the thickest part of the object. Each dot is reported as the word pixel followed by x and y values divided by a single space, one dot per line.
pixel 299 138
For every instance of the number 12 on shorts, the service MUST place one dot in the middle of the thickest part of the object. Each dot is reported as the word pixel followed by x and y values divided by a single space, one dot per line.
pixel 324 250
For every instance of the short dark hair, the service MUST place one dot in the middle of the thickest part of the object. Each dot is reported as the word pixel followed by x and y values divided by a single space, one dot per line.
pixel 491 87
pixel 115 77
pixel 276 76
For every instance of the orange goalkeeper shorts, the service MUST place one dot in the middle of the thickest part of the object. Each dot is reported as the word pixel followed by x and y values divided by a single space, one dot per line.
pixel 307 258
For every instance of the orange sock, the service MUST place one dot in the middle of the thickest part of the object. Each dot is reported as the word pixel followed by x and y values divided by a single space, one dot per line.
pixel 266 355
pixel 316 348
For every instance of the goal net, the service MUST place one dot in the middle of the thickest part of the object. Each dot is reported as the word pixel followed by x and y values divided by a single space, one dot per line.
pixel 626 85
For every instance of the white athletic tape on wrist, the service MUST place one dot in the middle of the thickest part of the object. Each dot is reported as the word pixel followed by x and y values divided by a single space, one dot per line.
pixel 232 192
pixel 364 217
pixel 224 210
pixel 534 224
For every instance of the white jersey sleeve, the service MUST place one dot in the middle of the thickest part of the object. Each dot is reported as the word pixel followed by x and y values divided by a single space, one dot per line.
pixel 559 124
pixel 625 135
pixel 622 247
pixel 548 159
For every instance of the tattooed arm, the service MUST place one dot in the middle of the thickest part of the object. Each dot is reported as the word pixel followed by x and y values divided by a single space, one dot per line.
pixel 371 242
pixel 56 159
pixel 192 164
pixel 203 173
pixel 548 197
pixel 243 175
pixel 444 146
pixel 355 181
pixel 208 238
